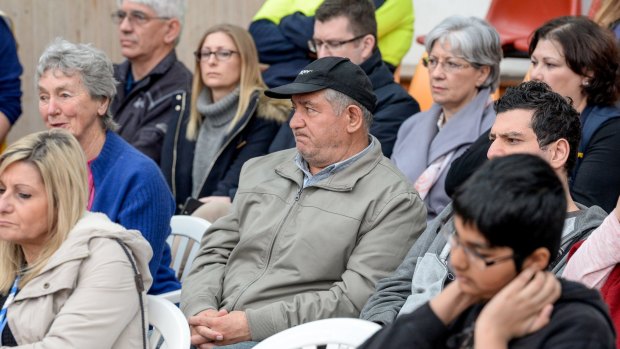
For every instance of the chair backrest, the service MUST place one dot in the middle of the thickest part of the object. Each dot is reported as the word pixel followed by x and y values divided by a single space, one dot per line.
pixel 517 19
pixel 341 333
pixel 169 325
pixel 184 241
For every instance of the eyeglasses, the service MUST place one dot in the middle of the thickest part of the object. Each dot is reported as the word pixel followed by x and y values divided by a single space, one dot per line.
pixel 447 66
pixel 135 17
pixel 220 55
pixel 315 45
pixel 474 256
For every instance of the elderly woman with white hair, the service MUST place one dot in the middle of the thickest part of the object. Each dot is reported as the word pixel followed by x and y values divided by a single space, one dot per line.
pixel 463 63
pixel 76 85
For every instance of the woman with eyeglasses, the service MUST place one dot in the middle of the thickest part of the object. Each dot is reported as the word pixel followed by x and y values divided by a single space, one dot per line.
pixel 229 121
pixel 463 65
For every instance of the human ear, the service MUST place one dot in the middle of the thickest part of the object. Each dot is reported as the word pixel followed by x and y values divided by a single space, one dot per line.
pixel 539 259
pixel 483 74
pixel 559 152
pixel 355 118
pixel 173 30
pixel 103 106
pixel 369 44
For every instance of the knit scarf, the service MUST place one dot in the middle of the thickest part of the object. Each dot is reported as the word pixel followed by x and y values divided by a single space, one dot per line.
pixel 215 124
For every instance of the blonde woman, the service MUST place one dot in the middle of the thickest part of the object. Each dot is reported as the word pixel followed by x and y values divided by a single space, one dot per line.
pixel 608 16
pixel 65 281
pixel 229 122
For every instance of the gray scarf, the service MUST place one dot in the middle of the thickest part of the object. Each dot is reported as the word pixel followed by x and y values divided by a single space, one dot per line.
pixel 215 124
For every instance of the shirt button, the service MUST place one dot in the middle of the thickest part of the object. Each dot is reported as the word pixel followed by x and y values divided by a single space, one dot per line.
pixel 46 285
pixel 179 97
pixel 177 108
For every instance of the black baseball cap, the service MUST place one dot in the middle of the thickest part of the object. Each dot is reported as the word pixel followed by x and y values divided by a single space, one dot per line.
pixel 337 73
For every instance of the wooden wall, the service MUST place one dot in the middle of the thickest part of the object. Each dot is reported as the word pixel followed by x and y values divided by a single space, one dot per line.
pixel 37 22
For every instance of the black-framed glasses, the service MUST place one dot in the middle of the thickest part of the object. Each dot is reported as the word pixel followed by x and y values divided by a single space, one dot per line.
pixel 220 55
pixel 135 17
pixel 474 256
pixel 448 66
pixel 315 45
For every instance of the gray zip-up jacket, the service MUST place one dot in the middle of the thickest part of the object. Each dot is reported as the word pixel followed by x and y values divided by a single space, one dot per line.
pixel 423 273
pixel 287 256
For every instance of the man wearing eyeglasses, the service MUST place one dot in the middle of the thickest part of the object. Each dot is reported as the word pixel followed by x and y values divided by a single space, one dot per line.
pixel 348 28
pixel 508 221
pixel 153 84
pixel 530 119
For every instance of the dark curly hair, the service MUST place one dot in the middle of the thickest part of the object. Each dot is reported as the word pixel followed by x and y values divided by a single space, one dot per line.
pixel 587 48
pixel 515 201
pixel 554 118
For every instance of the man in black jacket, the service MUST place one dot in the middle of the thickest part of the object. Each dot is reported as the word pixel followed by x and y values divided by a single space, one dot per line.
pixel 153 85
pixel 348 28
pixel 509 219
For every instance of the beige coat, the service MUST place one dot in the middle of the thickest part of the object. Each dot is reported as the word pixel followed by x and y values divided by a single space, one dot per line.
pixel 86 296
pixel 287 256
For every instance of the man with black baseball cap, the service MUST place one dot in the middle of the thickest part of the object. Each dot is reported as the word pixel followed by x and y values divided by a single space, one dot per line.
pixel 334 73
pixel 312 229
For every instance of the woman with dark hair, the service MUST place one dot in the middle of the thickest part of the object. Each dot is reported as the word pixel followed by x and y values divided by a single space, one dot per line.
pixel 579 60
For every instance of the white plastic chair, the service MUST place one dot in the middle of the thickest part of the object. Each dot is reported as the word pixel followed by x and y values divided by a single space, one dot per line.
pixel 168 322
pixel 340 333
pixel 184 241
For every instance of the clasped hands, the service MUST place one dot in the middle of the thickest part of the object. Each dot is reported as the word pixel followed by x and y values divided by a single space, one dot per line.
pixel 212 328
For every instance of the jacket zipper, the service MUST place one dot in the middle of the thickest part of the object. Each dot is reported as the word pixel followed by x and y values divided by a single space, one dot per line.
pixel 271 247
pixel 175 148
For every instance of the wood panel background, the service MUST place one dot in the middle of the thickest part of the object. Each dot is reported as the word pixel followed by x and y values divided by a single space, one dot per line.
pixel 37 22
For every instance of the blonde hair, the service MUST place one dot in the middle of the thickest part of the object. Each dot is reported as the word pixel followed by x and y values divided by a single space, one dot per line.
pixel 62 166
pixel 249 81
pixel 608 13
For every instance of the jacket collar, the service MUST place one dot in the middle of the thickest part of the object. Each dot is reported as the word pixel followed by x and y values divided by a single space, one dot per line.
pixel 377 71
pixel 343 180
pixel 76 247
pixel 160 69
pixel 93 225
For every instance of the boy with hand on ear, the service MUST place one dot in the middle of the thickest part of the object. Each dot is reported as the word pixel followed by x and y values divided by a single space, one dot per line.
pixel 508 225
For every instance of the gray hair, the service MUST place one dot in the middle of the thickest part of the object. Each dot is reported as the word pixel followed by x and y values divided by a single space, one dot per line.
pixel 339 101
pixel 92 66
pixel 472 39
pixel 165 8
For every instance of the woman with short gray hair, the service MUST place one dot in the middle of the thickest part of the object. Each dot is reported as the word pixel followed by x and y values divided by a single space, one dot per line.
pixel 76 85
pixel 463 65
